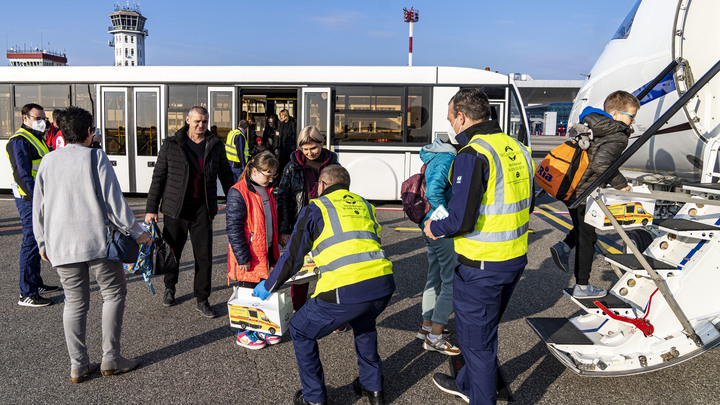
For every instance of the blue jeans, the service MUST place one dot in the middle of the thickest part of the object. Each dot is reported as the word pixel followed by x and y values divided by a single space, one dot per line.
pixel 30 278
pixel 317 319
pixel 437 298
pixel 480 298
pixel 237 172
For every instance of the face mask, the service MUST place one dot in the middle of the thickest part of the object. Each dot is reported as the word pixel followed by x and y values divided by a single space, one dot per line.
pixel 452 134
pixel 39 125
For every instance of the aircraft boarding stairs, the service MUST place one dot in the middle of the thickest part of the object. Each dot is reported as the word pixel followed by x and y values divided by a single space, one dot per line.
pixel 663 310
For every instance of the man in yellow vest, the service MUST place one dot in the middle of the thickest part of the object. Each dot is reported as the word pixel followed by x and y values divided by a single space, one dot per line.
pixel 488 216
pixel 237 149
pixel 25 150
pixel 355 283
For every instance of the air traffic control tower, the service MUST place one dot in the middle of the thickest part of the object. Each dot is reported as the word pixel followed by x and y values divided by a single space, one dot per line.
pixel 128 30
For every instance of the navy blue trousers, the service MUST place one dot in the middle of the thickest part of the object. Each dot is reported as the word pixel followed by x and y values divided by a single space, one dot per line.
pixel 30 278
pixel 317 319
pixel 479 299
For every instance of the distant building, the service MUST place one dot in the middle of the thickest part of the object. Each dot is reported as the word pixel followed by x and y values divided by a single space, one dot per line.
pixel 128 30
pixel 35 57
pixel 547 100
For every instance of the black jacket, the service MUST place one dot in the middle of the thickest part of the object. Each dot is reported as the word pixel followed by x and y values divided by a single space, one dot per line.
pixel 291 194
pixel 610 140
pixel 172 171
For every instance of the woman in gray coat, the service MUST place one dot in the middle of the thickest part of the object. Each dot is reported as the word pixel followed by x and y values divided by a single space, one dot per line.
pixel 70 230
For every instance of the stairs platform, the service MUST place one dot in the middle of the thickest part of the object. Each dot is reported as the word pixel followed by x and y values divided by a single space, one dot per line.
pixel 558 331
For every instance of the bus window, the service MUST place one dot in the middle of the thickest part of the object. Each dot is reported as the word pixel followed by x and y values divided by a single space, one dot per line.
pixel 6 127
pixel 84 96
pixel 418 115
pixel 516 127
pixel 146 123
pixel 49 96
pixel 368 114
pixel 181 99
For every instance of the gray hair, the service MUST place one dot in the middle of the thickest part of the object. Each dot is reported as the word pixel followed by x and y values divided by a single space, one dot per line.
pixel 472 102
pixel 310 134
pixel 199 110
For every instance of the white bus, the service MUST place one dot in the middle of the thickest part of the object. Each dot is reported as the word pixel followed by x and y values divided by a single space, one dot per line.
pixel 375 118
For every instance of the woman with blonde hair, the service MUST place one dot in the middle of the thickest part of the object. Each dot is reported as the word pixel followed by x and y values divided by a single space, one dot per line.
pixel 298 186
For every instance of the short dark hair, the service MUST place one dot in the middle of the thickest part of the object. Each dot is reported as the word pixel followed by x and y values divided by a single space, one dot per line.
pixel 243 124
pixel 27 107
pixel 472 102
pixel 620 100
pixel 335 174
pixel 200 110
pixel 74 123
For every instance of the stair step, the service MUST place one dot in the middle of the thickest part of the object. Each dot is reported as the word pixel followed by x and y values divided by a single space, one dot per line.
pixel 558 331
pixel 688 228
pixel 629 261
pixel 710 188
pixel 609 301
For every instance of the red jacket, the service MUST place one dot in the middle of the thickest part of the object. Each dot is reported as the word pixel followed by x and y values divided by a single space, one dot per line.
pixel 255 235
pixel 54 138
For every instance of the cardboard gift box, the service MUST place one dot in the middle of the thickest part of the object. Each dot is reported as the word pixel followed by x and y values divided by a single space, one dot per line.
pixel 628 211
pixel 247 311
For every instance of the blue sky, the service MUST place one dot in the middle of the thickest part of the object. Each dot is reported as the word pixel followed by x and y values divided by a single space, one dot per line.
pixel 548 40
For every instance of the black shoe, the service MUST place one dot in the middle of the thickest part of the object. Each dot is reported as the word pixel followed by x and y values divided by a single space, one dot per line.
pixel 34 301
pixel 169 297
pixel 42 289
pixel 206 309
pixel 374 397
pixel 299 399
pixel 447 384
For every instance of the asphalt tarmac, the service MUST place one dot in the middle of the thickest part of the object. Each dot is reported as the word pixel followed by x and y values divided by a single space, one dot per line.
pixel 189 359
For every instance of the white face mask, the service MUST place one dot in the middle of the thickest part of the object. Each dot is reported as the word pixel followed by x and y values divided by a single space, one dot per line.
pixel 39 126
pixel 451 132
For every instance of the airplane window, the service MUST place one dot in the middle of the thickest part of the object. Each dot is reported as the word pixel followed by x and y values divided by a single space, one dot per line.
pixel 626 25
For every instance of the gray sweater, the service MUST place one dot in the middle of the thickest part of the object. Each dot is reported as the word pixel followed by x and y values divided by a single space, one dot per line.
pixel 67 219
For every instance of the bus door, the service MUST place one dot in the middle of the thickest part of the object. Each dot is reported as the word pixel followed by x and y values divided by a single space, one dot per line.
pixel 222 109
pixel 146 140
pixel 315 110
pixel 113 127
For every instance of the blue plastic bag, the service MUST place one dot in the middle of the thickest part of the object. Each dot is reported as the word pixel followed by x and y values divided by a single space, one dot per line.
pixel 144 263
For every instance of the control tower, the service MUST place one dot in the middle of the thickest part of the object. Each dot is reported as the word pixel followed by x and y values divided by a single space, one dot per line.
pixel 128 30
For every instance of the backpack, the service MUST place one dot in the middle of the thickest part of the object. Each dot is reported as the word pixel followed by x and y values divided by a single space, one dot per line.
pixel 412 194
pixel 561 170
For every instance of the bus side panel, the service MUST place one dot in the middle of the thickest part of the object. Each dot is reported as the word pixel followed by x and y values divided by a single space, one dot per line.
pixel 375 176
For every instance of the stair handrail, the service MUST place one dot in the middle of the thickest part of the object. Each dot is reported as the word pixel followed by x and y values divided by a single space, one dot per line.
pixel 605 176
pixel 659 281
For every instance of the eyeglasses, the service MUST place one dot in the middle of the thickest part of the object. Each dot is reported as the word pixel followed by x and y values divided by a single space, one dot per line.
pixel 36 118
pixel 628 114
pixel 268 176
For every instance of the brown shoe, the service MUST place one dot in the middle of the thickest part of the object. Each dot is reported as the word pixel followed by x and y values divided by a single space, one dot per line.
pixel 77 375
pixel 441 345
pixel 120 365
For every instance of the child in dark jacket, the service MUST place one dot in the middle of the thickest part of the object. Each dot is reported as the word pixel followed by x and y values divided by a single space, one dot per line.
pixel 611 130
pixel 251 222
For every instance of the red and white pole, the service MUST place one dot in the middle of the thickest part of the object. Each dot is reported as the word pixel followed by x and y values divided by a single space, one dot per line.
pixel 410 52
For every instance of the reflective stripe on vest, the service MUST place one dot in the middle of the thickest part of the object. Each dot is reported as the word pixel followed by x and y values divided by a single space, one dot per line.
pixel 348 249
pixel 503 221
pixel 39 145
pixel 230 148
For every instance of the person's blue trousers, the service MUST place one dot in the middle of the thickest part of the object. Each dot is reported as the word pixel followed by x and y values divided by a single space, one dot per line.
pixel 479 299
pixel 317 319
pixel 30 278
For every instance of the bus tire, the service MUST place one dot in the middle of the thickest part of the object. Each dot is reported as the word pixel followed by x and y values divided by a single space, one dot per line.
pixel 272 331
pixel 644 221
pixel 243 325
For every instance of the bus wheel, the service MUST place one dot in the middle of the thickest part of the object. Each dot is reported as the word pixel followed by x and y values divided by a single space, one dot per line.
pixel 243 325
pixel 644 221
pixel 272 331
pixel 640 238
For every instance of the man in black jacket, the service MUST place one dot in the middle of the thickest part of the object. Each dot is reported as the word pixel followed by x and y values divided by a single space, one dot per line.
pixel 184 187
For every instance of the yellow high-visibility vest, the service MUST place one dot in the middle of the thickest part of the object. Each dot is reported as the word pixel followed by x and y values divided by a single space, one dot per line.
pixel 348 249
pixel 501 230
pixel 231 150
pixel 39 145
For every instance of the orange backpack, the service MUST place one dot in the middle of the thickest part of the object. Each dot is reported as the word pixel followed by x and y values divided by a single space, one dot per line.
pixel 561 170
